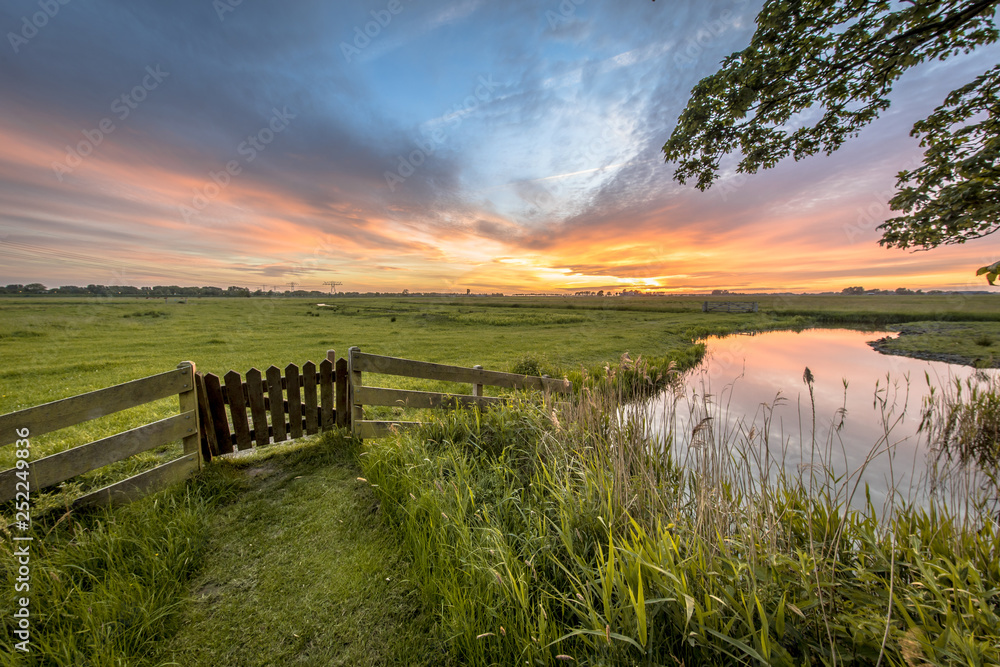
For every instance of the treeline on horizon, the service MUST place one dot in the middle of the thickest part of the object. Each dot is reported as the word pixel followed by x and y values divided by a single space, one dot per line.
pixel 166 291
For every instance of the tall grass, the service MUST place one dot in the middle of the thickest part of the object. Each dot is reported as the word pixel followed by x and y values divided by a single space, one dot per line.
pixel 107 585
pixel 962 424
pixel 548 534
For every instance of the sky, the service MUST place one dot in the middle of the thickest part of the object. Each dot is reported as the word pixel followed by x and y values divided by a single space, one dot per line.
pixel 441 146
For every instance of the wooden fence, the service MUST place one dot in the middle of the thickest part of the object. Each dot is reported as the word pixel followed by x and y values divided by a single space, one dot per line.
pixel 219 416
pixel 273 406
pixel 52 470
pixel 361 395
pixel 729 307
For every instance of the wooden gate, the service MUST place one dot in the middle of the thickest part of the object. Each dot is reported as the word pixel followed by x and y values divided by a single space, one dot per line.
pixel 238 413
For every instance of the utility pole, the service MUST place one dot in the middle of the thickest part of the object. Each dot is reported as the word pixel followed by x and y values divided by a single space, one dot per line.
pixel 333 285
pixel 292 285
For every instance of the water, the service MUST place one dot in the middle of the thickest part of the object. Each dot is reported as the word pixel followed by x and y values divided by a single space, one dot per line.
pixel 865 403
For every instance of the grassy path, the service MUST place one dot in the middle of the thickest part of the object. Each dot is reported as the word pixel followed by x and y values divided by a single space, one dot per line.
pixel 302 569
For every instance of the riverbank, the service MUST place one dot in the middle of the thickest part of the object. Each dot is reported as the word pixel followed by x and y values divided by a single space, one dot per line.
pixel 974 344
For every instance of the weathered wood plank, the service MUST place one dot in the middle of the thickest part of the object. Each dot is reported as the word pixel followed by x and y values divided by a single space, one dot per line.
pixel 238 409
pixel 206 424
pixel 257 412
pixel 267 388
pixel 188 401
pixel 277 403
pixel 216 403
pixel 59 467
pixel 354 381
pixel 142 484
pixel 326 394
pixel 309 392
pixel 373 363
pixel 380 429
pixel 76 409
pixel 477 389
pixel 407 398
pixel 294 401
pixel 343 409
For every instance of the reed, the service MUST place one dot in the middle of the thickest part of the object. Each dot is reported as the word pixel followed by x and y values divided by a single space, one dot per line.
pixel 545 533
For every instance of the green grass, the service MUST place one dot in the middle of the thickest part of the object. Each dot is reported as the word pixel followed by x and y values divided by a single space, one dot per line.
pixel 968 341
pixel 555 536
pixel 106 585
pixel 512 520
pixel 279 557
pixel 304 571
pixel 52 348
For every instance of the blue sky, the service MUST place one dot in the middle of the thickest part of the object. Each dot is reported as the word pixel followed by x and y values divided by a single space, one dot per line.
pixel 433 146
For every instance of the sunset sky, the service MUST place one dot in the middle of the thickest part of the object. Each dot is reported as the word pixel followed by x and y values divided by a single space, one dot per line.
pixel 434 146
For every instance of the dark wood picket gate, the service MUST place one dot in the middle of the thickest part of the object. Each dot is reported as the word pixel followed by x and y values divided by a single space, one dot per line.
pixel 238 413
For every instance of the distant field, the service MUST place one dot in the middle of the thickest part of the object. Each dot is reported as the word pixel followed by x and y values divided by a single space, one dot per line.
pixel 51 348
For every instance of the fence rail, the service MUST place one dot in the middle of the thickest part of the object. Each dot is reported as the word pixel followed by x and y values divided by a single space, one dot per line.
pixel 51 470
pixel 360 395
pixel 219 415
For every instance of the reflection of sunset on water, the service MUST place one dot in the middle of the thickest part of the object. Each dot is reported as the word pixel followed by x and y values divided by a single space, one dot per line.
pixel 751 378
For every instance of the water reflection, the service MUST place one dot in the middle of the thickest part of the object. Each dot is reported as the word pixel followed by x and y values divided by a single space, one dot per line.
pixel 865 403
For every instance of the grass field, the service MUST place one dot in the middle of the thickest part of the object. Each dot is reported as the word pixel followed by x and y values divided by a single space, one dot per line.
pixel 217 582
pixel 51 348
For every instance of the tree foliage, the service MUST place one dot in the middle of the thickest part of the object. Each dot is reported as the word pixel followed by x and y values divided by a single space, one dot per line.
pixel 841 58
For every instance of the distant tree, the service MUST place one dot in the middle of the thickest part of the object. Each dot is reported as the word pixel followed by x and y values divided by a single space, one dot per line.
pixel 853 290
pixel 844 56
pixel 35 288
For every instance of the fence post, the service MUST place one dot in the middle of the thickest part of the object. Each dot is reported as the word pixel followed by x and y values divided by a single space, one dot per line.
pixel 477 389
pixel 189 403
pixel 353 382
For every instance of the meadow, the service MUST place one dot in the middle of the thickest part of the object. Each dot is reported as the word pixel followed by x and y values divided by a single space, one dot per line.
pixel 524 534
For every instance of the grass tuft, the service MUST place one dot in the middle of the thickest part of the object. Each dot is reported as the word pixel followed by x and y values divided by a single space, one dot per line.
pixel 542 533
